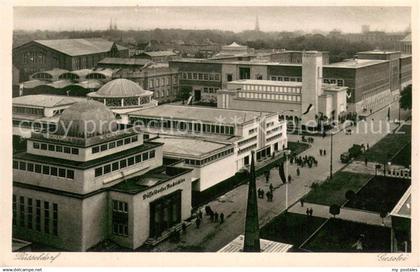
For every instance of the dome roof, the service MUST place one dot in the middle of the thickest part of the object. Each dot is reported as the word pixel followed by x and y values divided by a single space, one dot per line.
pixel 120 88
pixel 87 118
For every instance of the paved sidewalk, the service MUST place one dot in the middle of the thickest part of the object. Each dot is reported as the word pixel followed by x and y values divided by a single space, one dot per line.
pixel 354 215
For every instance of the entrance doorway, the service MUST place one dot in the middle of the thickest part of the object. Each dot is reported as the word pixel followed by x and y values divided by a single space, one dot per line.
pixel 165 212
pixel 244 73
pixel 197 95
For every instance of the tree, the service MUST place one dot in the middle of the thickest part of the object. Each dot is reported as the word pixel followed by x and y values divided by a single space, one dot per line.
pixel 406 98
pixel 334 210
pixel 184 93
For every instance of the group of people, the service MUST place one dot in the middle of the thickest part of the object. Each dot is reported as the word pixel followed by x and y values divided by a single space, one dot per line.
pixel 309 211
pixel 322 152
pixel 303 161
pixel 214 216
pixel 268 194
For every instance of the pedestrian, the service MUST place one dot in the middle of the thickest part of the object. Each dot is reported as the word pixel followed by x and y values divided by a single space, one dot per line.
pixel 208 210
pixel 289 178
pixel 311 211
pixel 325 152
pixel 298 171
pixel 200 214
pixel 367 146
pixel 366 161
pixel 184 228
pixel 222 218
pixel 198 222
pixel 216 217
pixel 307 211
pixel 320 152
pixel 316 163
pixel 271 196
pixel 267 176
pixel 268 195
pixel 271 187
pixel 301 202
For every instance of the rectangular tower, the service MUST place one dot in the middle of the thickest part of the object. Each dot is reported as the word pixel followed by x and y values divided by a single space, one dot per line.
pixel 311 86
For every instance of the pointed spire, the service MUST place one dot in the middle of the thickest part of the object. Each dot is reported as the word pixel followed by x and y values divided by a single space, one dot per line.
pixel 252 229
pixel 257 24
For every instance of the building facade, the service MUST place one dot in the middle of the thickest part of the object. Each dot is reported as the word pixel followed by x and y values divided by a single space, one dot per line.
pixel 91 182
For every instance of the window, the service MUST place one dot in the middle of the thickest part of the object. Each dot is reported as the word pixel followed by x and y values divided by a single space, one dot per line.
pixel 75 151
pixel 194 75
pixel 62 172
pixel 130 161
pixel 98 171
pixel 22 166
pixel 111 145
pixel 152 154
pixel 46 217
pixel 58 148
pixel 134 138
pixel 104 147
pixel 145 156
pixel 22 211
pixel 44 146
pixel 95 149
pixel 38 215
pixel 229 77
pixel 37 168
pixel 29 213
pixel 138 158
pixel 127 140
pixel 206 76
pixel 200 76
pixel 67 149
pixel 55 219
pixel 115 166
pixel 120 218
pixel 53 171
pixel 36 145
pixel 123 163
pixel 45 170
pixel 70 174
pixel 107 169
pixel 51 147
pixel 120 142
pixel 15 165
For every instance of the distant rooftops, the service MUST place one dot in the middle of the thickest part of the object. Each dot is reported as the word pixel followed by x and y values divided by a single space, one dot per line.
pixel 77 47
pixel 204 114
pixel 45 101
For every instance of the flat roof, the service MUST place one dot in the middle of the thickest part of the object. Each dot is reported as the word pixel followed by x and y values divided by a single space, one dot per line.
pixel 266 246
pixel 238 62
pixel 187 146
pixel 153 178
pixel 403 207
pixel 266 82
pixel 205 114
pixel 354 63
pixel 45 100
pixel 378 52
pixel 125 61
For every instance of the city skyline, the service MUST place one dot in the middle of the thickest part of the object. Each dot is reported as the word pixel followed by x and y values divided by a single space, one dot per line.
pixel 237 19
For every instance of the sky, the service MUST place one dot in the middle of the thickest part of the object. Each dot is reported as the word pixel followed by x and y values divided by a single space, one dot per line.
pixel 275 18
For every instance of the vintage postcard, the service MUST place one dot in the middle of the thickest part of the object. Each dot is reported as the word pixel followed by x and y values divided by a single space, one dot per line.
pixel 209 131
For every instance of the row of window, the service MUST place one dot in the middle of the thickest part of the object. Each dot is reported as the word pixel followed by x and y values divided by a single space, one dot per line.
pixel 272 130
pixel 339 82
pixel 252 139
pixel 286 78
pixel 43 169
pixel 283 97
pixel 181 125
pixel 246 149
pixel 210 90
pixel 34 57
pixel 163 93
pixel 156 82
pixel 119 218
pixel 209 159
pixel 252 131
pixel 269 124
pixel 24 216
pixel 111 145
pixel 26 110
pixel 201 76
pixel 115 166
pixel 277 89
pixel 55 148
pixel 277 136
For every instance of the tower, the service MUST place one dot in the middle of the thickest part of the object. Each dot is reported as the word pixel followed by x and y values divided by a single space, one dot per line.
pixel 257 24
pixel 311 86
pixel 110 25
pixel 252 229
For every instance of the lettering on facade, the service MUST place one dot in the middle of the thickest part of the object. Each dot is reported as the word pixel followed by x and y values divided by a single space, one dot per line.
pixel 162 188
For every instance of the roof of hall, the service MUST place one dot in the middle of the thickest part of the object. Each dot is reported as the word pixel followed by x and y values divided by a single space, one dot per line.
pixel 206 114
pixel 77 47
pixel 45 100
pixel 359 63
pixel 125 61
pixel 188 146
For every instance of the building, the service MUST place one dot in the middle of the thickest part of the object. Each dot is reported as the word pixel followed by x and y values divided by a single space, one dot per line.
pixel 158 78
pixel 89 182
pixel 157 56
pixel 123 96
pixel 38 112
pixel 121 63
pixel 216 141
pixel 70 54
pixel 202 78
pixel 401 224
pixel 405 45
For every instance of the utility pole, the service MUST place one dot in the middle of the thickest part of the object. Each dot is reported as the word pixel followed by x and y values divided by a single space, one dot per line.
pixel 331 156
